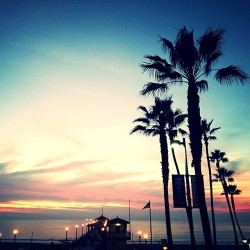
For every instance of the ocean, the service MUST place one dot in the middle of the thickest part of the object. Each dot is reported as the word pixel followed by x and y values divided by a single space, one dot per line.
pixel 55 229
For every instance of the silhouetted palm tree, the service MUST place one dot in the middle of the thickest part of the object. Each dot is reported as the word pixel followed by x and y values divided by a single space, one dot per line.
pixel 160 120
pixel 208 135
pixel 224 176
pixel 189 64
pixel 233 190
pixel 217 157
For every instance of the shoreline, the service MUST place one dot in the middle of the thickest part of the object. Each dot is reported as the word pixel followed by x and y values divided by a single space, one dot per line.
pixel 73 246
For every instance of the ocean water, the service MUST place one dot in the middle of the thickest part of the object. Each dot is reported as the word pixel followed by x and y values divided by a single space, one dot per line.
pixel 55 229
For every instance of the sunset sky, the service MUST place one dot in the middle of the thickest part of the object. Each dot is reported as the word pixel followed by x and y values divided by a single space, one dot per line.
pixel 70 82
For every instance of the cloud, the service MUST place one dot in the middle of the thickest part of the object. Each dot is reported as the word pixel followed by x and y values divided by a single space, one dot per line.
pixel 4 166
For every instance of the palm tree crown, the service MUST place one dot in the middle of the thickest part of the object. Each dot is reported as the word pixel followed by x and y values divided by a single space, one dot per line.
pixel 208 131
pixel 160 117
pixel 190 63
pixel 217 156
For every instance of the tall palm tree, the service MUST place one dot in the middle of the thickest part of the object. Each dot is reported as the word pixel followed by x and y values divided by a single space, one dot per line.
pixel 233 190
pixel 189 64
pixel 208 135
pixel 158 121
pixel 224 176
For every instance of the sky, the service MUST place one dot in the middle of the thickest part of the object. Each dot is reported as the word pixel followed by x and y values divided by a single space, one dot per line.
pixel 70 81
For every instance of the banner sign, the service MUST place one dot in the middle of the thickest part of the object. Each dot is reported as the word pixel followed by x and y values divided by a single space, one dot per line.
pixel 179 195
pixel 194 192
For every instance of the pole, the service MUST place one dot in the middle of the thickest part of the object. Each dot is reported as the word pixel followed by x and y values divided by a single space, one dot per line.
pixel 189 204
pixel 150 223
pixel 129 216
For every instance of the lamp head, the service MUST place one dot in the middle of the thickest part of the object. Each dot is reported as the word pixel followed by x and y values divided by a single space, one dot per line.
pixel 174 143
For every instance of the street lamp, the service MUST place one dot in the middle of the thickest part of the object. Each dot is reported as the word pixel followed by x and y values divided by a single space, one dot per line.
pixel 145 238
pixel 82 229
pixel 66 230
pixel 139 234
pixel 247 243
pixel 189 204
pixel 76 231
pixel 0 236
pixel 15 232
pixel 87 222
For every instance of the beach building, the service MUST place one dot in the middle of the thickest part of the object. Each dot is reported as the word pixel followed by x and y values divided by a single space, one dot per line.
pixel 108 234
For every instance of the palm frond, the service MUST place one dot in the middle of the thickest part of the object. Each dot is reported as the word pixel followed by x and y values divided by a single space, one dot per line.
pixel 213 58
pixel 152 88
pixel 214 129
pixel 172 76
pixel 160 69
pixel 154 59
pixel 186 52
pixel 138 129
pixel 143 108
pixel 183 132
pixel 231 74
pixel 168 46
pixel 210 44
pixel 180 118
pixel 143 120
pixel 212 138
pixel 202 85
pixel 155 69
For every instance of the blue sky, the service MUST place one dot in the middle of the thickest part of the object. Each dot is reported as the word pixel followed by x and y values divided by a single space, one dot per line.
pixel 70 82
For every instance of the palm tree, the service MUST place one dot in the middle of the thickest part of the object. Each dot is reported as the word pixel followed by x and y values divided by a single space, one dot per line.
pixel 224 176
pixel 190 64
pixel 217 157
pixel 158 121
pixel 233 190
pixel 207 135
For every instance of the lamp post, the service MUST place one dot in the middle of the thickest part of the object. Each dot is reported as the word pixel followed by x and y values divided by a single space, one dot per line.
pixel 0 237
pixel 76 231
pixel 87 222
pixel 139 234
pixel 66 230
pixel 82 229
pixel 247 243
pixel 145 238
pixel 15 232
pixel 188 193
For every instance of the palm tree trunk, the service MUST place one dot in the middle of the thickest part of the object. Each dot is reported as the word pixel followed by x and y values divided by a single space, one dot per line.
pixel 191 226
pixel 165 176
pixel 194 121
pixel 235 216
pixel 211 196
pixel 224 185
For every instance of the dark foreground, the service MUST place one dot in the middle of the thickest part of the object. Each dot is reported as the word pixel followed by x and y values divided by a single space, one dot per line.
pixel 54 246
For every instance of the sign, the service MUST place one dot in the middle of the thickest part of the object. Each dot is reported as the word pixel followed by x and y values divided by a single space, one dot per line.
pixel 179 195
pixel 194 192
